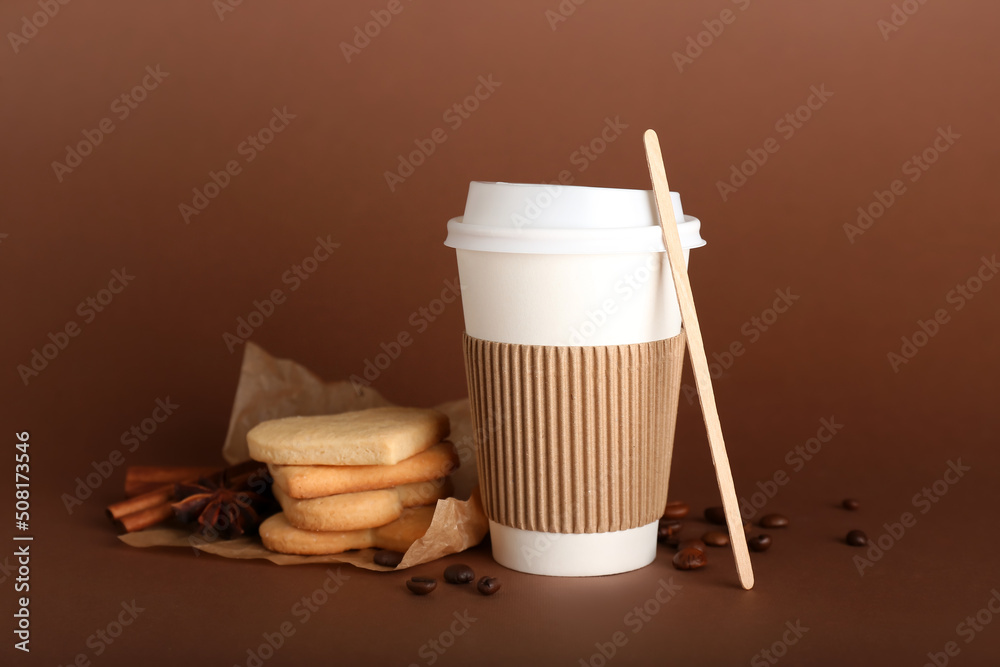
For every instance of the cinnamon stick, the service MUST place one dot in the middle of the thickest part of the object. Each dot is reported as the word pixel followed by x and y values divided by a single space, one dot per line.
pixel 154 498
pixel 145 518
pixel 143 479
pixel 150 508
pixel 239 471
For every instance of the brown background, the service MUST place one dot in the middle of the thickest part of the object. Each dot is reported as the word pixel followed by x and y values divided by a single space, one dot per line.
pixel 324 176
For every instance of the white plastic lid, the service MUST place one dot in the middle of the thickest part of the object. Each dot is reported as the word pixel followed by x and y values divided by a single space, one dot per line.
pixel 564 220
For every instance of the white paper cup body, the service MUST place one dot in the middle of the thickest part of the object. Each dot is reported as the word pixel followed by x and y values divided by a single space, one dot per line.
pixel 573 554
pixel 567 266
pixel 568 300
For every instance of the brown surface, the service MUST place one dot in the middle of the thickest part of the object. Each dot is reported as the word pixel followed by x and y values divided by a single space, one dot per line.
pixel 323 175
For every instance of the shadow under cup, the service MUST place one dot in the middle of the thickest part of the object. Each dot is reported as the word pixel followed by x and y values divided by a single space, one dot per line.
pixel 573 354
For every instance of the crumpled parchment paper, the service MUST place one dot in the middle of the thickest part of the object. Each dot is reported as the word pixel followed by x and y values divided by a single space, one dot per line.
pixel 270 388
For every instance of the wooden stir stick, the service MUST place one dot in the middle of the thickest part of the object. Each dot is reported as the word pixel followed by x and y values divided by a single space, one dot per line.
pixel 699 361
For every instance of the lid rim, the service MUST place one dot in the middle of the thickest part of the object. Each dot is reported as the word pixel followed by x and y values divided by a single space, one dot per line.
pixel 567 241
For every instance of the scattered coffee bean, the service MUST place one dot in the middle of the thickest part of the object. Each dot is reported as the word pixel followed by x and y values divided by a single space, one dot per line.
pixel 388 558
pixel 773 521
pixel 850 504
pixel 488 585
pixel 759 542
pixel 667 529
pixel 857 538
pixel 459 574
pixel 676 510
pixel 421 585
pixel 689 559
pixel 715 538
pixel 716 515
pixel 747 526
pixel 691 544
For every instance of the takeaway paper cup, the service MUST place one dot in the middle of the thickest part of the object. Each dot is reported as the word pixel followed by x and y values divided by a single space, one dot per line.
pixel 573 359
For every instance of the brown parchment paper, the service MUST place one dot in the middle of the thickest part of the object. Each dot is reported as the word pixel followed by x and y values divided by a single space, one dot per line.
pixel 270 388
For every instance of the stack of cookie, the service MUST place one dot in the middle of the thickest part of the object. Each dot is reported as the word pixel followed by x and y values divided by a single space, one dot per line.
pixel 354 480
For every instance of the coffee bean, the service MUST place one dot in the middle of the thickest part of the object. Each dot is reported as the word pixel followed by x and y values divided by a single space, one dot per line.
pixel 667 530
pixel 459 574
pixel 857 538
pixel 850 504
pixel 773 521
pixel 691 544
pixel 759 543
pixel 488 585
pixel 676 509
pixel 421 585
pixel 715 538
pixel 715 515
pixel 747 526
pixel 689 559
pixel 388 558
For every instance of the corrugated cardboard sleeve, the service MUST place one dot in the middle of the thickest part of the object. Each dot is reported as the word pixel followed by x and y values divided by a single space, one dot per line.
pixel 574 439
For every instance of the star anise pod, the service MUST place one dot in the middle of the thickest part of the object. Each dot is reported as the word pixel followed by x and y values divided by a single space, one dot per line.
pixel 226 505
